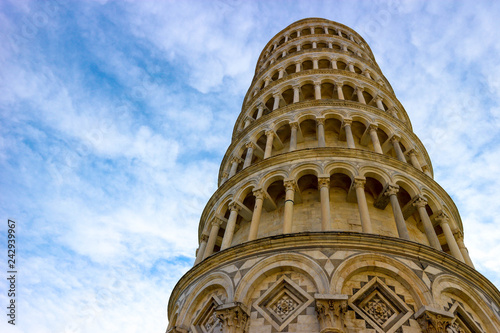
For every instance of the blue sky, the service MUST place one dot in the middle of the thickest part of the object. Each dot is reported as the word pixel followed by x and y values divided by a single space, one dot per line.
pixel 114 117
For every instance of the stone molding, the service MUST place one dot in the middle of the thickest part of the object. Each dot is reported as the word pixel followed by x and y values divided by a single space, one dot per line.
pixel 233 317
pixel 340 240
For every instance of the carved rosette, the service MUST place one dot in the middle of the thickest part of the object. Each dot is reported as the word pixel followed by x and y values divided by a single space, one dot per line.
pixel 331 314
pixel 233 318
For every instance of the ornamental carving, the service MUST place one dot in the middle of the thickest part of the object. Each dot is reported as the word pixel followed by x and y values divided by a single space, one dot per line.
pixel 233 318
pixel 434 323
pixel 331 314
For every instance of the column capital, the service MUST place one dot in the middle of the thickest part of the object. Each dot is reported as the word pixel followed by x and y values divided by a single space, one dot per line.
pixel 411 152
pixel 269 132
pixel 259 193
pixel 250 145
pixel 433 320
pixel 233 317
pixel 320 120
pixel 317 82
pixel 459 235
pixel 296 85
pixel 359 182
pixel 294 124
pixel 373 126
pixel 323 182
pixel 233 206
pixel 391 190
pixel 442 218
pixel 225 174
pixel 260 105
pixel 420 202
pixel 204 238
pixel 347 122
pixel 290 184
pixel 331 312
pixel 276 94
pixel 360 89
pixel 236 159
pixel 250 119
pixel 395 138
pixel 216 222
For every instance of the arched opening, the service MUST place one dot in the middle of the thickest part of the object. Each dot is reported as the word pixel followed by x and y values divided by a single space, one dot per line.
pixel 327 90
pixel 291 69
pixel 321 45
pixel 308 92
pixel 307 46
pixel 287 96
pixel 308 129
pixel 332 130
pixel 348 92
pixel 283 135
pixel 324 64
pixel 341 65
pixel 292 50
pixel 307 65
pixel 306 31
pixel 319 31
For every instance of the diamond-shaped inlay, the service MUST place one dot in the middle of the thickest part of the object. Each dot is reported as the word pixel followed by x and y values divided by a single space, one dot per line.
pixel 282 302
pixel 380 307
pixel 206 321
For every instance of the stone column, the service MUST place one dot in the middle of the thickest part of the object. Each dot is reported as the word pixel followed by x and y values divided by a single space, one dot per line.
pixel 276 101
pixel 287 38
pixel 293 136
pixel 297 65
pixel 378 100
pixel 397 148
pixel 248 121
pixel 334 63
pixel 231 224
pixel 391 191
pixel 267 80
pixel 248 159
pixel 459 236
pixel 281 72
pixel 375 140
pixel 443 221
pixel 315 61
pixel 324 191
pixel 312 30
pixel 225 176
pixel 420 203
pixel 257 211
pixel 330 45
pixel 351 67
pixel 326 30
pixel 320 129
pixel 234 166
pixel 296 93
pixel 366 73
pixel 288 214
pixel 359 92
pixel 201 249
pixel 260 110
pixel 233 318
pixel 212 238
pixel 366 224
pixel 414 160
pixel 427 170
pixel 269 144
pixel 348 133
pixel 331 312
pixel 339 90
pixel 317 90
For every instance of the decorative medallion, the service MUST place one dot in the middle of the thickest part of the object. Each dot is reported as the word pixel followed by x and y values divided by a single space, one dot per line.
pixel 380 306
pixel 206 321
pixel 282 302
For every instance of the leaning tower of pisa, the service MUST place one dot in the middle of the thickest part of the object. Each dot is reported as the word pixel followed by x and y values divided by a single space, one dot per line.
pixel 327 217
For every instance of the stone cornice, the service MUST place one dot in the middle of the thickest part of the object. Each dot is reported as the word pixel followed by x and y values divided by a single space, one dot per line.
pixel 331 154
pixel 341 240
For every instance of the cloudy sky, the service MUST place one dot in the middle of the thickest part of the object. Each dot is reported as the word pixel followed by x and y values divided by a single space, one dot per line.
pixel 114 117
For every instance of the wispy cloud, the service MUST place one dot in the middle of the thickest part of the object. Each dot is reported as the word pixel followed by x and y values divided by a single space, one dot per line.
pixel 115 117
